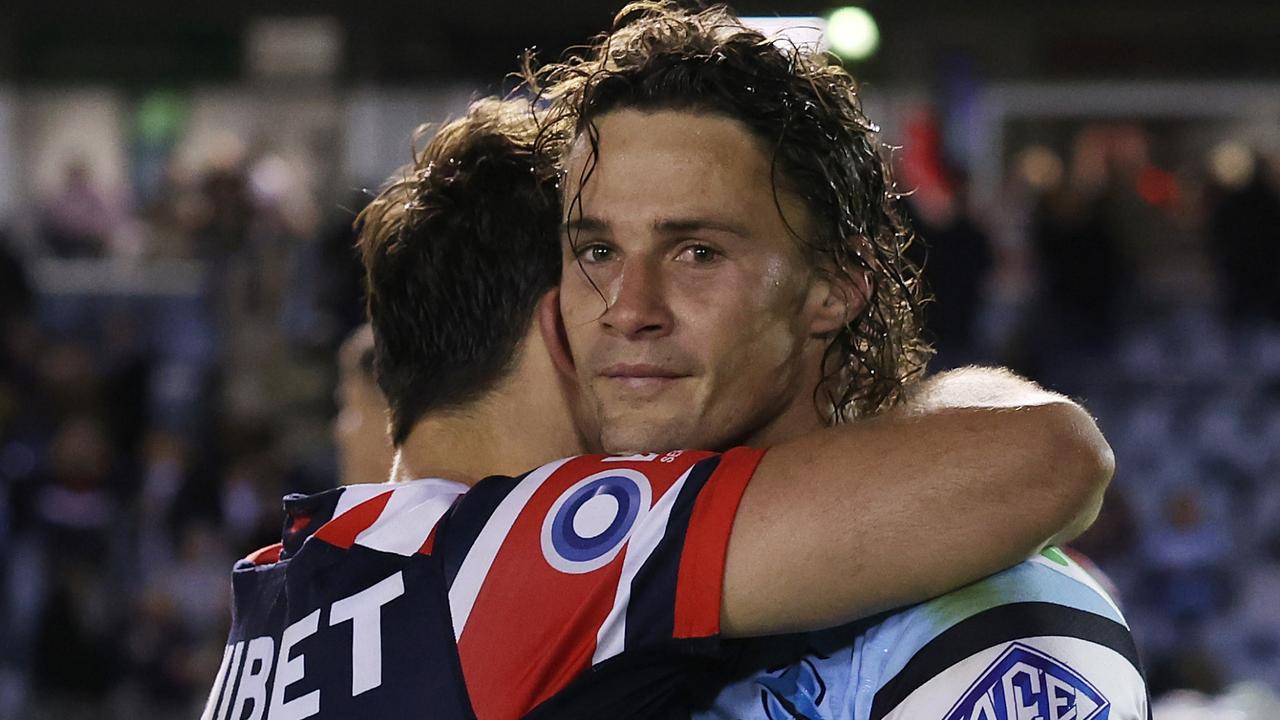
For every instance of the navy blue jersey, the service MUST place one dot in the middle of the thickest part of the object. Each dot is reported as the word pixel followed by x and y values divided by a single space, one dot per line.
pixel 589 587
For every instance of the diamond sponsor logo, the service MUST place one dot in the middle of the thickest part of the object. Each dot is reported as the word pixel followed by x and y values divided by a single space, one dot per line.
pixel 1027 684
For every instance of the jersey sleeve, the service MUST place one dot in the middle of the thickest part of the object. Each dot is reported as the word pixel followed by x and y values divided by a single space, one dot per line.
pixel 1041 640
pixel 584 561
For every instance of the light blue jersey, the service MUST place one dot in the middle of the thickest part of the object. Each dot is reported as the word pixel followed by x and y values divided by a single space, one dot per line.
pixel 1040 641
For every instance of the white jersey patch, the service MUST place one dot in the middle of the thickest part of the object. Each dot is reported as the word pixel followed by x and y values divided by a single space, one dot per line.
pixel 1044 678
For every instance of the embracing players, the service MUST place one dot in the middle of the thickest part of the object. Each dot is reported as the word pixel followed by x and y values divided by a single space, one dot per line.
pixel 603 584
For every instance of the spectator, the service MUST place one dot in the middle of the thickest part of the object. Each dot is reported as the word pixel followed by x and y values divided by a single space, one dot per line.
pixel 80 220
pixel 1186 555
pixel 1244 222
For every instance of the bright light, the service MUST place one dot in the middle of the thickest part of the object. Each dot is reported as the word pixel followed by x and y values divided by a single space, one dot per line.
pixel 852 33
pixel 1040 168
pixel 1232 164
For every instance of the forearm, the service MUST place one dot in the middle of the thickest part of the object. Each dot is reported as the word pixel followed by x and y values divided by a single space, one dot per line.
pixel 900 508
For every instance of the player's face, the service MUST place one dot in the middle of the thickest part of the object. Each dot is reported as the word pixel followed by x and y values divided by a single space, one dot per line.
pixel 692 315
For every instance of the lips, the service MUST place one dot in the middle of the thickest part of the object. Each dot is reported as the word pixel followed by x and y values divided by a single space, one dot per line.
pixel 641 378
pixel 640 371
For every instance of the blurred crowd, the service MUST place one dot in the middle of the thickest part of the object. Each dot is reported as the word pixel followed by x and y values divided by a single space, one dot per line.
pixel 170 362
pixel 1151 291
pixel 167 375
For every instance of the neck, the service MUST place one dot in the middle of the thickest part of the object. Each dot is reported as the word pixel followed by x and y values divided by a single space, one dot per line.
pixel 466 450
pixel 520 425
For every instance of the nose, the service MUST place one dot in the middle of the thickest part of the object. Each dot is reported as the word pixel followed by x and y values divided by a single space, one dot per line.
pixel 639 308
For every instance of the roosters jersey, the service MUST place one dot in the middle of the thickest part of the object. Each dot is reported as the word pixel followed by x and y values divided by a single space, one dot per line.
pixel 1040 641
pixel 589 587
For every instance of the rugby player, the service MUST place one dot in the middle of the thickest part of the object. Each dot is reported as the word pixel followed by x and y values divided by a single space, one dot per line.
pixel 594 585
pixel 732 242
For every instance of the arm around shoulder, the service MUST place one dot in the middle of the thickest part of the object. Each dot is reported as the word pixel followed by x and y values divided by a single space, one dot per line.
pixel 976 471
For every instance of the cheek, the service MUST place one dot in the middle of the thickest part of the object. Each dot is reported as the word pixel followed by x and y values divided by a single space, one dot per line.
pixel 780 328
pixel 580 298
pixel 572 298
pixel 770 302
pixel 773 350
pixel 755 331
pixel 580 307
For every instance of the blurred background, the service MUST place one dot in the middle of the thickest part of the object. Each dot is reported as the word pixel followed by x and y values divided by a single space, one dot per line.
pixel 1096 182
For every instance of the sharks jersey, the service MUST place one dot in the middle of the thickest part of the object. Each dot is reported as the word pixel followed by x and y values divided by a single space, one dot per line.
pixel 1040 641
pixel 590 587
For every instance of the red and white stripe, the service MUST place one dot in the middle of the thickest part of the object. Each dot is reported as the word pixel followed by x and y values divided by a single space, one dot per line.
pixel 410 516
pixel 612 635
pixel 475 567
pixel 526 629
pixel 395 518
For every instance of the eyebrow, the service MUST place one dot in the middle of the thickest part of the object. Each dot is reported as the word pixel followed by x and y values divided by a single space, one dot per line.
pixel 583 225
pixel 682 225
pixel 666 226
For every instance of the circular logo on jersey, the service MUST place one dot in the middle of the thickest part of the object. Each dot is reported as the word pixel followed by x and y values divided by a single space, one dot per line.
pixel 590 522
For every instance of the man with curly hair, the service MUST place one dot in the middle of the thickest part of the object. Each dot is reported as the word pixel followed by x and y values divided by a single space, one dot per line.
pixel 732 241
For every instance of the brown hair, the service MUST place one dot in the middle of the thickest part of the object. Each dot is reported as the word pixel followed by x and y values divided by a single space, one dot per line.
pixel 805 107
pixel 457 248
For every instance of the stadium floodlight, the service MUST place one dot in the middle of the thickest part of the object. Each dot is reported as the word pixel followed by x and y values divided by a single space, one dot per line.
pixel 852 33
pixel 801 31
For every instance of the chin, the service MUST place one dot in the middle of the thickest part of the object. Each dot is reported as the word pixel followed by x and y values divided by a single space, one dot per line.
pixel 622 438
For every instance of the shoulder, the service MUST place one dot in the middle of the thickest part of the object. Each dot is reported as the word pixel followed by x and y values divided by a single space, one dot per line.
pixel 1042 635
pixel 389 517
pixel 1051 577
pixel 350 564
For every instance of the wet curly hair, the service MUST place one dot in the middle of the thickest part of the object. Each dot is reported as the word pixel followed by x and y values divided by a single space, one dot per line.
pixel 803 105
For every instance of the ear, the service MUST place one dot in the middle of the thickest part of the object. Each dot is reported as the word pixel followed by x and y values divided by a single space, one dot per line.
pixel 835 300
pixel 554 336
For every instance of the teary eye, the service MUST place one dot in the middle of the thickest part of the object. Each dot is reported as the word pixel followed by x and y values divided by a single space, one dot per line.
pixel 596 253
pixel 699 254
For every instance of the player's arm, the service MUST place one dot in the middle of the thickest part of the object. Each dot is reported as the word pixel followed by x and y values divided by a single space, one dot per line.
pixel 979 470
